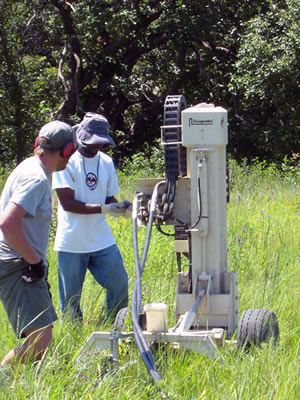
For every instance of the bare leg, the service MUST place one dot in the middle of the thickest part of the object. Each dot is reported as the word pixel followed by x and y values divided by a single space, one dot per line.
pixel 33 348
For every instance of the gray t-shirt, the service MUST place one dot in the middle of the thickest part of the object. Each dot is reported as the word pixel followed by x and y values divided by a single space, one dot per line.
pixel 29 187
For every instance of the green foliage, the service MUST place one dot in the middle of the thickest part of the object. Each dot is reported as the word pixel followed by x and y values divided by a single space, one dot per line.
pixel 263 217
pixel 244 175
pixel 147 165
pixel 28 86
pixel 122 58
pixel 266 80
pixel 268 57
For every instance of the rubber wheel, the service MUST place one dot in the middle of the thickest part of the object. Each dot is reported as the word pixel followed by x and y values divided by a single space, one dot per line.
pixel 120 319
pixel 256 327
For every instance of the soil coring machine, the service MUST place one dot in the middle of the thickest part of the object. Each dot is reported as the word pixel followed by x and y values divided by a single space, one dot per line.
pixel 193 198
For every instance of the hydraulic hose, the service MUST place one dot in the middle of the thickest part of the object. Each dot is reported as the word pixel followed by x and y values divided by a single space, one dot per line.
pixel 137 291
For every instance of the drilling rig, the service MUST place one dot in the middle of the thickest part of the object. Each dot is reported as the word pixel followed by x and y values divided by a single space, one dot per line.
pixel 192 197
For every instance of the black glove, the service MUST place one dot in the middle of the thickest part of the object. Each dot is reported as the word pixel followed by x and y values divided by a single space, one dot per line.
pixel 35 272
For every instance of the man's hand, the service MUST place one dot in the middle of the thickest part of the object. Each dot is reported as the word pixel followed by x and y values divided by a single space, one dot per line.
pixel 122 209
pixel 35 272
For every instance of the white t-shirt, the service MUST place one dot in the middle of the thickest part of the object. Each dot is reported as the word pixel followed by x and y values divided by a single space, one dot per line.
pixel 85 233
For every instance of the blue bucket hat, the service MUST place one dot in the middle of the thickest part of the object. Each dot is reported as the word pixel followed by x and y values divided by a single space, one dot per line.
pixel 93 129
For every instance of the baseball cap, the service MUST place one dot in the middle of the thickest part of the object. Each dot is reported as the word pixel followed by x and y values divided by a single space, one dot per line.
pixel 57 134
pixel 93 129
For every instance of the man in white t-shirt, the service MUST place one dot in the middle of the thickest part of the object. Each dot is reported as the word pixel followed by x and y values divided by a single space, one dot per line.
pixel 86 191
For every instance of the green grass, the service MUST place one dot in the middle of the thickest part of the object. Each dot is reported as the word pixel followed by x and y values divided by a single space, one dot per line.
pixel 263 247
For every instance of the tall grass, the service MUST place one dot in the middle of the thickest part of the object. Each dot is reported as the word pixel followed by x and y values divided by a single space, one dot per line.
pixel 263 247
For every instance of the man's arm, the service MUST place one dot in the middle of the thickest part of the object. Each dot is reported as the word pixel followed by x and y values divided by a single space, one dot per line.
pixel 67 199
pixel 69 203
pixel 11 224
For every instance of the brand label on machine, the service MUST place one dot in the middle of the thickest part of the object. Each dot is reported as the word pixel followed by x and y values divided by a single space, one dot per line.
pixel 193 121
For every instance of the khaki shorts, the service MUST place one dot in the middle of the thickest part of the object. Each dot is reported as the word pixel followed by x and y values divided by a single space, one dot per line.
pixel 28 305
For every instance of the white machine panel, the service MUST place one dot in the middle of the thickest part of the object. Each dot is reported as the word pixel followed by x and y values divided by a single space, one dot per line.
pixel 204 124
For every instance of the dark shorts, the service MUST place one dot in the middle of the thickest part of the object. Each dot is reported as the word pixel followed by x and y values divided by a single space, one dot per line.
pixel 28 305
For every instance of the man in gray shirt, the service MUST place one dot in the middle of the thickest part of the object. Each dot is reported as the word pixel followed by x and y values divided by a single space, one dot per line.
pixel 25 215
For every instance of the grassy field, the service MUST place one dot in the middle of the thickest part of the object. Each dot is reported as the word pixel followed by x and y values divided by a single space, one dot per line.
pixel 263 247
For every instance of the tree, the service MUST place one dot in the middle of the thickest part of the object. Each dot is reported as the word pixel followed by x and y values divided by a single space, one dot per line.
pixel 26 82
pixel 122 58
pixel 134 53
pixel 266 83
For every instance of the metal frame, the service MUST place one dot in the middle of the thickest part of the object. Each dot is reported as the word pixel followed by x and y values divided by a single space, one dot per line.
pixel 202 342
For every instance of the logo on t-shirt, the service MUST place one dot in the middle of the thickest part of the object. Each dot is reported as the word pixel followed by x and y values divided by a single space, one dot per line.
pixel 91 180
